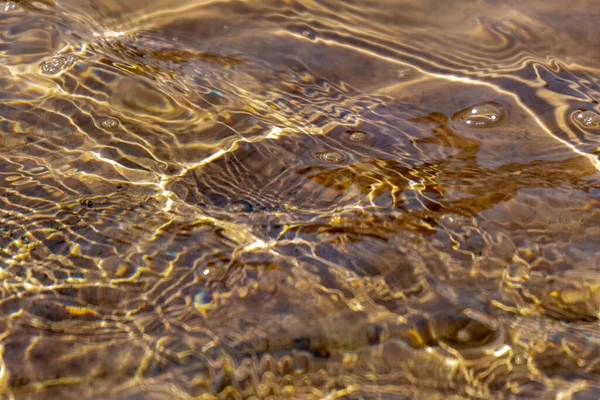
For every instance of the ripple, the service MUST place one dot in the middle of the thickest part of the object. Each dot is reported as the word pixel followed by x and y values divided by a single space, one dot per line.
pixel 587 119
pixel 293 257
pixel 480 116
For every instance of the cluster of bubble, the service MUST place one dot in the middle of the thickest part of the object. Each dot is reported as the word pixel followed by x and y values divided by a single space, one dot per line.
pixel 109 123
pixel 11 6
pixel 482 115
pixel 57 64
pixel 588 119
pixel 332 157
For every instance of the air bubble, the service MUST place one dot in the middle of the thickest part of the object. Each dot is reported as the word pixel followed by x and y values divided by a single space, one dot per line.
pixel 587 119
pixel 204 301
pixel 403 73
pixel 203 298
pixel 463 335
pixel 57 64
pixel 357 136
pixel 520 360
pixel 471 338
pixel 109 123
pixel 239 206
pixel 480 116
pixel 453 221
pixel 332 157
pixel 309 35
pixel 213 271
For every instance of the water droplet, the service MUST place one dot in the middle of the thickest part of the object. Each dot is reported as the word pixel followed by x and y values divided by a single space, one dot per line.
pixel 357 136
pixel 332 157
pixel 239 206
pixel 480 116
pixel 109 123
pixel 57 64
pixel 587 119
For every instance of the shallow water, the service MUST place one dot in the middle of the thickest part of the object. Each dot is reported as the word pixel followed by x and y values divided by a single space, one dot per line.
pixel 376 199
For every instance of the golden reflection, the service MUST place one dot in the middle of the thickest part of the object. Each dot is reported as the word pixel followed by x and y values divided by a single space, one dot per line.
pixel 298 199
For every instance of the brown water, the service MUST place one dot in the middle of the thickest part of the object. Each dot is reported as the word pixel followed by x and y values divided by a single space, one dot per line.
pixel 375 199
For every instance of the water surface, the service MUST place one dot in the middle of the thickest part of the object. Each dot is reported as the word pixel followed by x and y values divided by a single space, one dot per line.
pixel 375 199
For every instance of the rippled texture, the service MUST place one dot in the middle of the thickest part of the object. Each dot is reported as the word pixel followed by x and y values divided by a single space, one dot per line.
pixel 384 199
